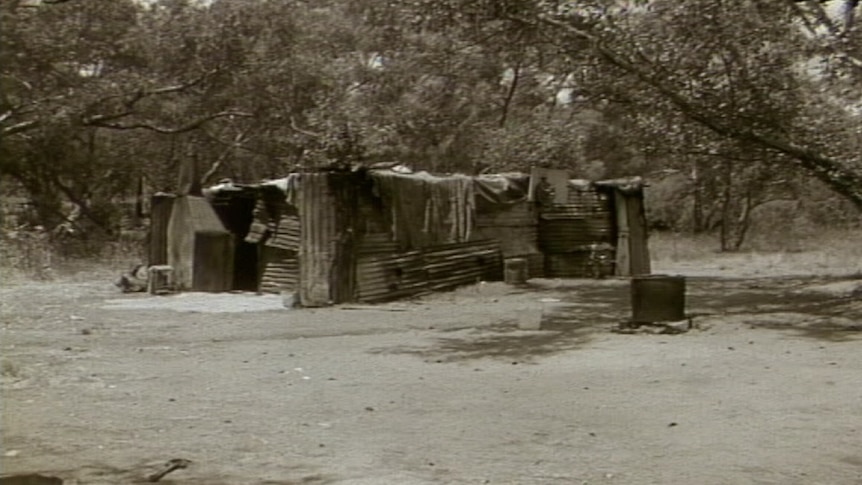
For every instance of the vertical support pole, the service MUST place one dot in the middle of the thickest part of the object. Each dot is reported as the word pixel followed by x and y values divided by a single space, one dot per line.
pixel 161 206
pixel 638 244
pixel 623 259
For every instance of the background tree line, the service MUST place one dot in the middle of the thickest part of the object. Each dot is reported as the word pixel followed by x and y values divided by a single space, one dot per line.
pixel 727 107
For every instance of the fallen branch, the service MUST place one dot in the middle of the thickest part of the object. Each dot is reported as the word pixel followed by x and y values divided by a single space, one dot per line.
pixel 171 465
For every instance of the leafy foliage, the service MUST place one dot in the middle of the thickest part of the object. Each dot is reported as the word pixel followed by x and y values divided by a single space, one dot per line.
pixel 748 99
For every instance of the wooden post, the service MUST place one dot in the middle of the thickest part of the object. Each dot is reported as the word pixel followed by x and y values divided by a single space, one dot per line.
pixel 638 237
pixel 623 259
pixel 161 205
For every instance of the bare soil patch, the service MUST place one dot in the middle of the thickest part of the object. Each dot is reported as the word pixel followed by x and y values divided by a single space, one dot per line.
pixel 100 388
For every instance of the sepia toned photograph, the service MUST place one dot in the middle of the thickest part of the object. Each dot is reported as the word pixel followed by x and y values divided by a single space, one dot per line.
pixel 420 242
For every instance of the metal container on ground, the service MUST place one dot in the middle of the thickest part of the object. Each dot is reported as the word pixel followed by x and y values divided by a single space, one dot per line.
pixel 658 298
pixel 160 279
pixel 516 271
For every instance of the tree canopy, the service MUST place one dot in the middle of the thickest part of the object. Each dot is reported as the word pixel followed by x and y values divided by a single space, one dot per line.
pixel 751 98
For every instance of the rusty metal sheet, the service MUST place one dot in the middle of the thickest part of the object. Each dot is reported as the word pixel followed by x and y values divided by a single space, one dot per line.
pixel 318 239
pixel 381 277
pixel 287 233
pixel 581 264
pixel 280 270
pixel 465 263
pixel 515 215
pixel 567 235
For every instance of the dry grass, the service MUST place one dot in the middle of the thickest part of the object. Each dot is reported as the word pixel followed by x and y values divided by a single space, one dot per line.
pixel 18 268
pixel 829 252
pixel 832 252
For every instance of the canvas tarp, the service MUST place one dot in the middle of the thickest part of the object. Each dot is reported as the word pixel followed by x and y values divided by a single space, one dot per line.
pixel 424 209
pixel 495 192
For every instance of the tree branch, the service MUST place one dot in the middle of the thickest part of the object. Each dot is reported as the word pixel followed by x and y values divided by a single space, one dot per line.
pixel 823 17
pixel 102 120
pixel 133 98
pixel 172 131
pixel 237 143
pixel 19 127
pixel 849 14
pixel 305 132
pixel 832 172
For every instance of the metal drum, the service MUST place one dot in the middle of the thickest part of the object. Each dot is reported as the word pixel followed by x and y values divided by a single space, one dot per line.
pixel 516 271
pixel 658 298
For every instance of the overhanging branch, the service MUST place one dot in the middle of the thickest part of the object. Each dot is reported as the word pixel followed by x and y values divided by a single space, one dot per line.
pixel 19 127
pixel 172 131
pixel 130 99
pixel 831 171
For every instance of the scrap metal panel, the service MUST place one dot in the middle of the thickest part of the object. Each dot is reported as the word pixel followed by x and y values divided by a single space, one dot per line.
pixel 286 234
pixel 213 261
pixel 572 234
pixel 580 264
pixel 453 265
pixel 387 276
pixel 279 270
pixel 318 239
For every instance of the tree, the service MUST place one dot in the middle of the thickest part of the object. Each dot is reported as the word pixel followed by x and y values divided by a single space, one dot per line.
pixel 71 73
pixel 736 68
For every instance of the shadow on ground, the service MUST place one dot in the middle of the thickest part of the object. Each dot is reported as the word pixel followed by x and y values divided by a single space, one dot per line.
pixel 580 310
pixel 504 341
pixel 787 304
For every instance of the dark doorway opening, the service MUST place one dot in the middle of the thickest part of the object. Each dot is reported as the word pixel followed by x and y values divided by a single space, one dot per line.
pixel 235 208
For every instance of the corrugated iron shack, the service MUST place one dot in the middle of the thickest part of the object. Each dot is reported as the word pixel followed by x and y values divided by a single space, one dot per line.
pixel 376 235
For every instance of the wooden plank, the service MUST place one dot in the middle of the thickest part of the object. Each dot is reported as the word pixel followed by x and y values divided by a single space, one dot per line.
pixel 213 257
pixel 638 242
pixel 318 239
pixel 623 258
pixel 160 215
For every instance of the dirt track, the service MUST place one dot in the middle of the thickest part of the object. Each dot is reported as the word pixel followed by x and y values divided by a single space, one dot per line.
pixel 447 389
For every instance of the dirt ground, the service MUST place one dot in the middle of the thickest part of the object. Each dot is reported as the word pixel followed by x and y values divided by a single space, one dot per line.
pixel 488 384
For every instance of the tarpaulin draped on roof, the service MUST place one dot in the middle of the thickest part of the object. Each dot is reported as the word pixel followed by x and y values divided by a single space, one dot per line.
pixel 500 189
pixel 426 210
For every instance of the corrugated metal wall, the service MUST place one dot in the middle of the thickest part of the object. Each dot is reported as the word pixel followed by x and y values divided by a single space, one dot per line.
pixel 578 237
pixel 515 227
pixel 453 265
pixel 279 270
pixel 390 275
pixel 318 239
pixel 386 275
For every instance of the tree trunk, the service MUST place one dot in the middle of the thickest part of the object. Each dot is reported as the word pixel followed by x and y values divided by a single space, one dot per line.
pixel 510 94
pixel 697 193
pixel 726 206
pixel 744 221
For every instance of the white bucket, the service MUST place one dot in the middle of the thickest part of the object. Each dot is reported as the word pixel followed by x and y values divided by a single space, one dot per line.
pixel 530 318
